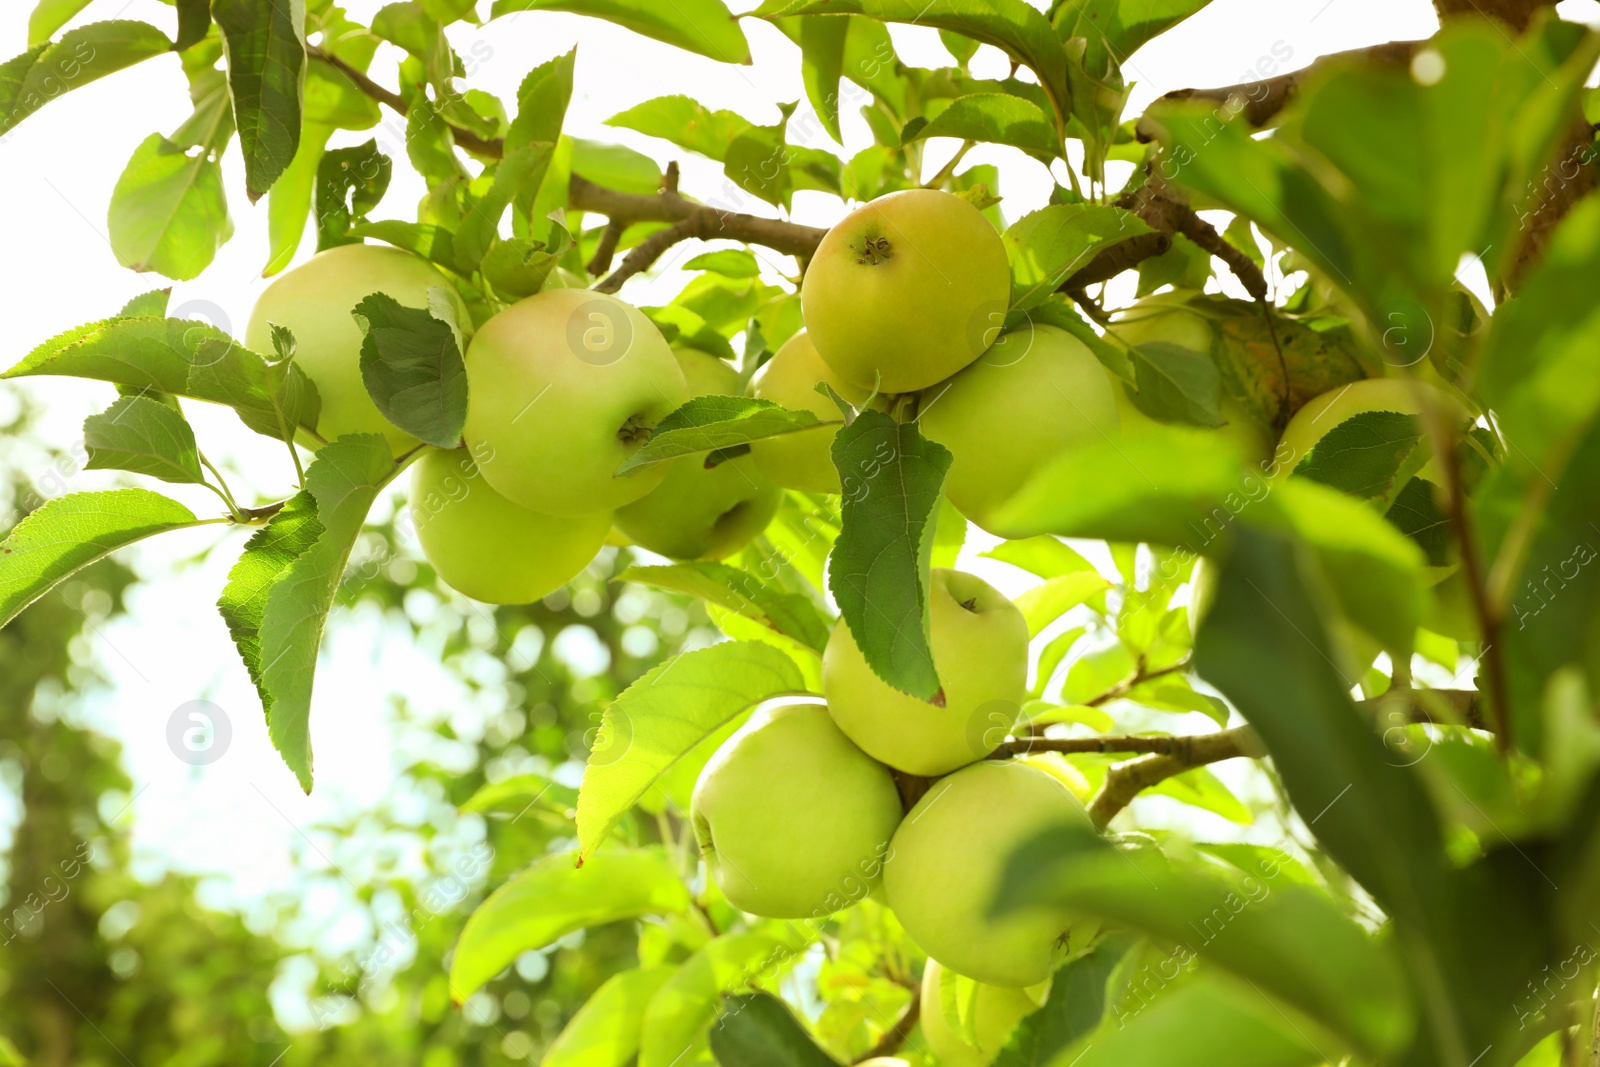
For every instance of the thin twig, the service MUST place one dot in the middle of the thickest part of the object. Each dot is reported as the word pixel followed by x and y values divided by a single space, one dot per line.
pixel 1128 779
pixel 896 1035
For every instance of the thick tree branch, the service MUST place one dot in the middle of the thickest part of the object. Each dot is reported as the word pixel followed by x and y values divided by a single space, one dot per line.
pixel 1446 707
pixel 1128 779
pixel 896 1035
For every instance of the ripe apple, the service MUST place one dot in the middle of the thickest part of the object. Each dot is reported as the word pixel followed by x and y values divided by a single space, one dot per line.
pixel 793 819
pixel 563 387
pixel 801 460
pixel 980 651
pixel 1036 394
pixel 1165 317
pixel 910 287
pixel 995 1012
pixel 315 300
pixel 944 869
pixel 1321 414
pixel 700 512
pixel 487 547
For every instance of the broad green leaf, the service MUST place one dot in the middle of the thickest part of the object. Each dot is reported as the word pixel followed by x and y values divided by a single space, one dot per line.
pixel 1115 29
pixel 144 436
pixel 879 570
pixel 344 479
pixel 194 23
pixel 822 42
pixel 169 213
pixel 616 167
pixel 553 898
pixel 1045 556
pixel 516 177
pixel 266 556
pixel 686 123
pixel 714 422
pixel 266 51
pixel 1074 1007
pixel 740 591
pixel 760 1028
pixel 998 118
pixel 1046 246
pixel 1265 647
pixel 413 370
pixel 289 202
pixel 515 795
pixel 184 357
pixel 728 262
pixel 46 71
pixel 1203 1022
pixel 1363 454
pixel 1416 513
pixel 68 533
pixel 1175 384
pixel 1262 861
pixel 333 100
pixel 542 101
pixel 519 267
pixel 1045 603
pixel 664 714
pixel 683 1010
pixel 1200 788
pixel 1010 25
pixel 49 16
pixel 350 182
pixel 605 1031
pixel 428 241
pixel 409 26
pixel 705 27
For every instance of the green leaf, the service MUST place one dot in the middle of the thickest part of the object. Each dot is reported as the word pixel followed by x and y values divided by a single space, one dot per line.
pixel 1047 557
pixel 686 123
pixel 605 1031
pixel 266 556
pixel 183 357
pixel 822 42
pixel 515 795
pixel 728 262
pixel 432 243
pixel 760 1028
pixel 1010 25
pixel 677 1019
pixel 716 422
pixel 998 118
pixel 542 101
pixel 1362 455
pixel 169 213
pixel 344 479
pixel 616 167
pixel 1045 603
pixel 1046 246
pixel 516 177
pixel 46 71
pixel 740 591
pixel 333 100
pixel 49 16
pixel 413 369
pixel 880 566
pixel 1115 29
pixel 666 713
pixel 289 202
pixel 144 436
pixel 1074 1008
pixel 553 898
pixel 350 182
pixel 1176 384
pixel 68 533
pixel 705 27
pixel 1205 1021
pixel 266 51
pixel 1416 513
pixel 1200 788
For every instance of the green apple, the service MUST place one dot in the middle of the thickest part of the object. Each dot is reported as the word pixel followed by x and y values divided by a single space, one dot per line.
pixel 980 651
pixel 993 1012
pixel 1035 395
pixel 1204 582
pixel 906 290
pixel 315 299
pixel 1321 414
pixel 487 547
pixel 564 386
pixel 1165 317
pixel 802 460
pixel 702 512
pixel 793 819
pixel 945 864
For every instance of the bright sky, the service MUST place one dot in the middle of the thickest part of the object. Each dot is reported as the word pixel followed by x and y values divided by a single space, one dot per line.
pixel 243 816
